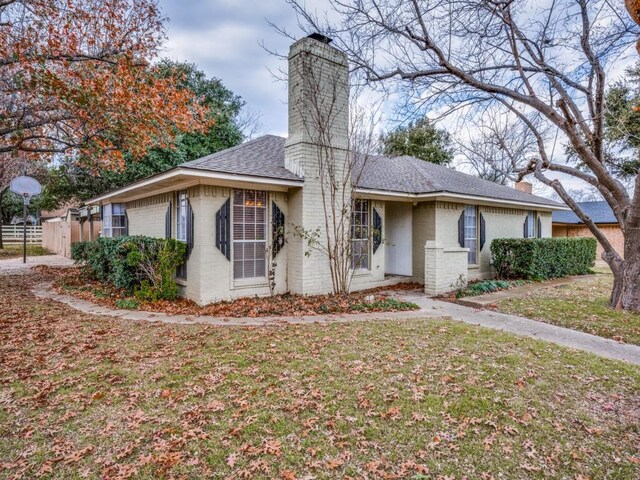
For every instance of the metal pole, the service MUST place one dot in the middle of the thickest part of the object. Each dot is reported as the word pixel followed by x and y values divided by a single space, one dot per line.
pixel 24 232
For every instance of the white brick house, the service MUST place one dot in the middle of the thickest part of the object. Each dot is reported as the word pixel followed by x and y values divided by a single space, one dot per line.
pixel 436 225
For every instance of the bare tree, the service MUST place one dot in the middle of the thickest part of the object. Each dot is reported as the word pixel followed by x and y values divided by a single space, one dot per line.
pixel 548 59
pixel 502 147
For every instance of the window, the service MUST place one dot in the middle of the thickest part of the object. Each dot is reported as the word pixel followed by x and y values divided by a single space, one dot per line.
pixel 181 216
pixel 249 233
pixel 181 229
pixel 360 235
pixel 114 220
pixel 471 233
pixel 530 229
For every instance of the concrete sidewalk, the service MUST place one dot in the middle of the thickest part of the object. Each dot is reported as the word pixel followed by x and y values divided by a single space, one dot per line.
pixel 14 266
pixel 526 327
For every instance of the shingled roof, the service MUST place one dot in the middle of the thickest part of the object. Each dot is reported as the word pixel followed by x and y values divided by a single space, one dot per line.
pixel 264 157
pixel 599 212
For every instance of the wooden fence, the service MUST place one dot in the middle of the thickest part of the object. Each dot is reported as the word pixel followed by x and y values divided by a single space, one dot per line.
pixel 59 235
pixel 12 234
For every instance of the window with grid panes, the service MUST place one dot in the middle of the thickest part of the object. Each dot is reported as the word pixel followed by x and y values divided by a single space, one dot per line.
pixel 114 221
pixel 471 232
pixel 249 233
pixel 360 235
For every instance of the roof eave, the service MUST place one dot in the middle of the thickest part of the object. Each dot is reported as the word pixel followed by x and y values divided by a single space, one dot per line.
pixel 188 176
pixel 444 195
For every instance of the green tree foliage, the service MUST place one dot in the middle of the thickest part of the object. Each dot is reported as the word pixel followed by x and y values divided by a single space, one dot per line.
pixel 71 179
pixel 420 139
pixel 622 123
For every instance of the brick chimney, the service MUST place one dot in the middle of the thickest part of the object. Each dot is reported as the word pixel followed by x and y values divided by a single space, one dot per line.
pixel 525 187
pixel 318 129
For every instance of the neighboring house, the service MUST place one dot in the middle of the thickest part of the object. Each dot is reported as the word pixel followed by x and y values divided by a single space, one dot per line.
pixel 567 224
pixel 436 224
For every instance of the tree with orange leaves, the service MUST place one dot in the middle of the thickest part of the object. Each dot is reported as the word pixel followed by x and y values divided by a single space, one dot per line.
pixel 76 79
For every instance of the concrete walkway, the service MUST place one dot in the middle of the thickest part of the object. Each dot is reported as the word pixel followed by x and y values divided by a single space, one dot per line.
pixel 526 327
pixel 429 308
pixel 44 290
pixel 14 266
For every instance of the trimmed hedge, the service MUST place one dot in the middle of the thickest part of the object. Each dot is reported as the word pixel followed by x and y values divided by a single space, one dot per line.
pixel 141 265
pixel 543 258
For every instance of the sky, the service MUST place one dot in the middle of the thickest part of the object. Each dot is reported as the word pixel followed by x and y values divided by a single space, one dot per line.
pixel 223 38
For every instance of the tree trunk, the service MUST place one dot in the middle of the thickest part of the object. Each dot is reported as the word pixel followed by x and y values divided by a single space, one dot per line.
pixel 625 294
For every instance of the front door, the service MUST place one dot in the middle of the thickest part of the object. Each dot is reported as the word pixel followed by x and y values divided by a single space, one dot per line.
pixel 399 238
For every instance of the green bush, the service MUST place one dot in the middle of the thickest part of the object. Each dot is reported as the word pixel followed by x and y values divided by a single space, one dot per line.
pixel 486 286
pixel 543 258
pixel 141 265
pixel 127 303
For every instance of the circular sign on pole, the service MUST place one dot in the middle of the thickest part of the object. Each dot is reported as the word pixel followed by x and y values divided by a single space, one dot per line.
pixel 26 187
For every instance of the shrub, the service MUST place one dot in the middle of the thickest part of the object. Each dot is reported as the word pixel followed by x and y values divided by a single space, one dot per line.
pixel 543 258
pixel 140 265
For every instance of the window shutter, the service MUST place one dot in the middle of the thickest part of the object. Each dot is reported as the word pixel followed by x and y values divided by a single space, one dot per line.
pixel 539 228
pixel 525 228
pixel 277 229
pixel 189 228
pixel 377 230
pixel 483 232
pixel 167 222
pixel 126 223
pixel 461 230
pixel 223 229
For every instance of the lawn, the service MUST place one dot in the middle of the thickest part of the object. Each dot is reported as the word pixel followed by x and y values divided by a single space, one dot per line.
pixel 93 397
pixel 14 251
pixel 581 306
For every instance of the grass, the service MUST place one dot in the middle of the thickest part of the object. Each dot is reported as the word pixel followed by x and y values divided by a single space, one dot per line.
pixel 15 251
pixel 583 306
pixel 85 396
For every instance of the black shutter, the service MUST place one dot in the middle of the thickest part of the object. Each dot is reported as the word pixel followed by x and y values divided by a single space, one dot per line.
pixel 483 232
pixel 223 229
pixel 525 228
pixel 167 222
pixel 461 230
pixel 277 229
pixel 189 228
pixel 539 228
pixel 126 223
pixel 377 230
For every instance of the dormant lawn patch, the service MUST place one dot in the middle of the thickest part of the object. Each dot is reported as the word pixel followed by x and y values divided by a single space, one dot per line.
pixel 581 306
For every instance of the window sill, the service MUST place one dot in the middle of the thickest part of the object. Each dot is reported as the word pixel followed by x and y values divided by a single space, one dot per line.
pixel 362 273
pixel 250 283
pixel 473 267
pixel 181 281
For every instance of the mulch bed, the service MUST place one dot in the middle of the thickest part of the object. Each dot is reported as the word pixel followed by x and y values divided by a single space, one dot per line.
pixel 72 281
